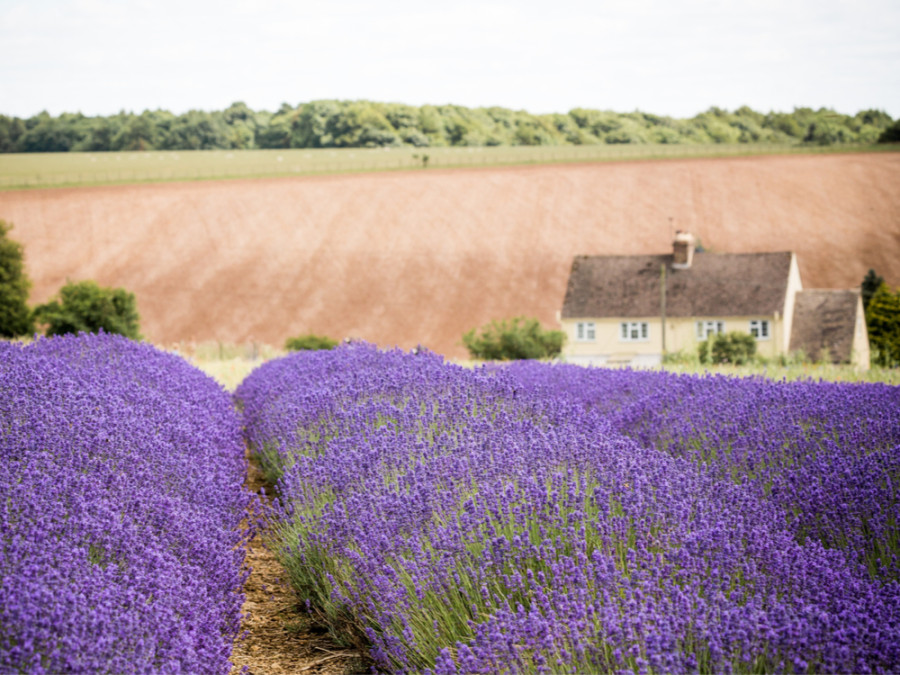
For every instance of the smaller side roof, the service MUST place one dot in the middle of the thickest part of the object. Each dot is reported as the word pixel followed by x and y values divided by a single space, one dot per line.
pixel 825 319
pixel 716 284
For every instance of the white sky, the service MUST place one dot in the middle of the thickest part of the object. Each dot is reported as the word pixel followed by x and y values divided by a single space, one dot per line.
pixel 667 57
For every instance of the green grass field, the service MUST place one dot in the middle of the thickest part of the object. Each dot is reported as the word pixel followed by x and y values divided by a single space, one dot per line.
pixel 68 169
pixel 229 364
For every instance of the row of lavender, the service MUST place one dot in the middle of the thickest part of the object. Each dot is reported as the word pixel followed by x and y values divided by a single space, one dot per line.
pixel 826 454
pixel 458 521
pixel 121 495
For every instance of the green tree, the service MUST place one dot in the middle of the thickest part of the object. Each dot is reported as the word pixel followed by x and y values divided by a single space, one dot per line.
pixel 196 130
pixel 716 123
pixel 50 134
pixel 432 125
pixel 86 307
pixel 786 124
pixel 15 317
pixel 891 134
pixel 750 124
pixel 875 118
pixel 98 133
pixel 883 320
pixel 277 132
pixel 826 132
pixel 519 338
pixel 11 131
pixel 329 123
pixel 140 132
pixel 309 342
pixel 870 284
pixel 400 115
pixel 242 125
pixel 310 124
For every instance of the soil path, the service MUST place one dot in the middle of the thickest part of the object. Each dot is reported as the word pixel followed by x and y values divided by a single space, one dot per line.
pixel 278 638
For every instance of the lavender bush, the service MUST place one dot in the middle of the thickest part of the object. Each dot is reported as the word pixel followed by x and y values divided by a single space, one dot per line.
pixel 121 473
pixel 826 454
pixel 458 521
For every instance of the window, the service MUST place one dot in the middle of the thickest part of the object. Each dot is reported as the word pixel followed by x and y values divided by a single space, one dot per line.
pixel 634 331
pixel 585 331
pixel 759 328
pixel 707 328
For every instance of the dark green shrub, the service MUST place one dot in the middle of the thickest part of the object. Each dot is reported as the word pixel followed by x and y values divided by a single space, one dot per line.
pixel 883 320
pixel 15 317
pixel 703 351
pixel 519 338
pixel 891 134
pixel 870 284
pixel 310 342
pixel 86 307
pixel 735 348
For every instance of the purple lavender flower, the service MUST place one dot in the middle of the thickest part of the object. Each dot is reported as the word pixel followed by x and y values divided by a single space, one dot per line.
pixel 826 454
pixel 121 492
pixel 488 521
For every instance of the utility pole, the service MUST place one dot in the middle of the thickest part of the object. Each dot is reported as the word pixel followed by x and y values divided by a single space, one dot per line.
pixel 662 305
pixel 662 290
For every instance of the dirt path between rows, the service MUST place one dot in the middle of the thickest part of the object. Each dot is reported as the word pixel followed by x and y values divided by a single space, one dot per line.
pixel 278 638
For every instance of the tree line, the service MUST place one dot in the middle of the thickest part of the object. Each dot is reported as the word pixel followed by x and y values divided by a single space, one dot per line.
pixel 367 124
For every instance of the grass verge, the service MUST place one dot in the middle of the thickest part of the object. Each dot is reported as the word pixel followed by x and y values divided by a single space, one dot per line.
pixel 78 169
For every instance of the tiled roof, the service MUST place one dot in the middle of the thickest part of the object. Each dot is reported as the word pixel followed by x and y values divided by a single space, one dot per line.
pixel 716 284
pixel 825 319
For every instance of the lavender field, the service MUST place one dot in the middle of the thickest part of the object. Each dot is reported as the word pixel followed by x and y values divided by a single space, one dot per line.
pixel 827 455
pixel 121 492
pixel 542 518
pixel 527 518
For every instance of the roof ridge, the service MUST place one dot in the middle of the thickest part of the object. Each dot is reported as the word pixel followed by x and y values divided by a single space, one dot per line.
pixel 832 290
pixel 670 254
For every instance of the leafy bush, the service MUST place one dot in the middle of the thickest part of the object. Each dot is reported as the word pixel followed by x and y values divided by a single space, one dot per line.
pixel 15 317
pixel 86 307
pixel 309 342
pixel 883 320
pixel 519 338
pixel 736 348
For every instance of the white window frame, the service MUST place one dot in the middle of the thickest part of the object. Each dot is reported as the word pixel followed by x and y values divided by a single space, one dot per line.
pixel 762 327
pixel 707 327
pixel 634 331
pixel 585 331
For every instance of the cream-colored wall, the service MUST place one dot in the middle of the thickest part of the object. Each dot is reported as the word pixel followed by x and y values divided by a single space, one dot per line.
pixel 607 339
pixel 681 335
pixel 859 352
pixel 793 286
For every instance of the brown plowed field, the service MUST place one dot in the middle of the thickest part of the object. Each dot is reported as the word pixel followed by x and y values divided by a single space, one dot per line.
pixel 422 256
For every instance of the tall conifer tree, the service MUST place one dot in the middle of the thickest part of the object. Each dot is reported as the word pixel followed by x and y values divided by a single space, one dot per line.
pixel 15 317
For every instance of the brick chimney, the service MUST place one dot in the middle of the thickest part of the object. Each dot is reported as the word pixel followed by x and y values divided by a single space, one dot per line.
pixel 683 250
